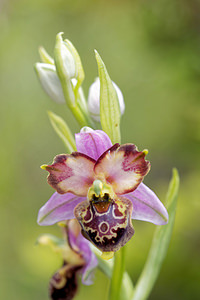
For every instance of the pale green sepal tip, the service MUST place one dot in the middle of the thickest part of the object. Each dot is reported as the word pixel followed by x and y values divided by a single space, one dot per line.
pixel 45 57
pixel 159 245
pixel 63 131
pixel 49 240
pixel 109 104
pixel 57 245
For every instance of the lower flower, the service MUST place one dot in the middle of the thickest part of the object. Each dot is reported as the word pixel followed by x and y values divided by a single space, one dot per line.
pixel 63 285
pixel 78 259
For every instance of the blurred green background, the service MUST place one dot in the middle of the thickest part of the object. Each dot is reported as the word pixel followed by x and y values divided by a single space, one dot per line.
pixel 152 51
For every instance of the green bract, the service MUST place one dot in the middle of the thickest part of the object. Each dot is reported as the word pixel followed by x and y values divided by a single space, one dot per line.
pixel 63 131
pixel 109 103
pixel 45 57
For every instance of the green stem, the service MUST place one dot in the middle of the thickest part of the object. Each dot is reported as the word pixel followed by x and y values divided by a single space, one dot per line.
pixel 127 288
pixel 81 117
pixel 117 275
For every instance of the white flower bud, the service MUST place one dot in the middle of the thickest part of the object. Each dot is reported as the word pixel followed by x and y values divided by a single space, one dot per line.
pixel 50 81
pixel 64 59
pixel 67 60
pixel 94 99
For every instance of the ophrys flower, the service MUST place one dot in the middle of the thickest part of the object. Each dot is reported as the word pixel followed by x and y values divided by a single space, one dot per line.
pixel 101 185
pixel 78 259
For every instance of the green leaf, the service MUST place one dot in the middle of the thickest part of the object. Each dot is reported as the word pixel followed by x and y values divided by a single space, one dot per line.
pixel 159 245
pixel 63 131
pixel 109 104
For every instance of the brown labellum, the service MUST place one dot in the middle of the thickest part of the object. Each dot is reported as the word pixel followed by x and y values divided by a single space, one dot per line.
pixel 106 222
pixel 63 285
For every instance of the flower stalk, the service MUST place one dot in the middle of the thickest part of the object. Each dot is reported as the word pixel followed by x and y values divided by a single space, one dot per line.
pixel 98 184
pixel 106 266
pixel 117 275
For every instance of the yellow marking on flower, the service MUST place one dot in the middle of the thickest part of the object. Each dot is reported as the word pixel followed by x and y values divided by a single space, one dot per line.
pixel 145 151
pixel 107 255
pixel 44 167
pixel 62 224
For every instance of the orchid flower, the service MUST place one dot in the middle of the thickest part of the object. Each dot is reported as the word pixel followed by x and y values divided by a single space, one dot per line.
pixel 101 185
pixel 77 257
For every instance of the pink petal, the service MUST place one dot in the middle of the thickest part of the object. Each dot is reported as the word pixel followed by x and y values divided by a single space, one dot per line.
pixel 91 264
pixel 92 142
pixel 71 173
pixel 79 244
pixel 58 208
pixel 147 206
pixel 123 167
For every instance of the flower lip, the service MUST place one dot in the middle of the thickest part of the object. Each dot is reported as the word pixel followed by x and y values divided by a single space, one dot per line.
pixel 107 226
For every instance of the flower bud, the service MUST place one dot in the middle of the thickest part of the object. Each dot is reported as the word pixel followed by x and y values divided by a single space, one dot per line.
pixel 67 60
pixel 50 81
pixel 94 99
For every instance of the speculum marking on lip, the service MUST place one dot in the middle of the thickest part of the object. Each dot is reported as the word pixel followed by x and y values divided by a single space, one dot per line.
pixel 110 227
